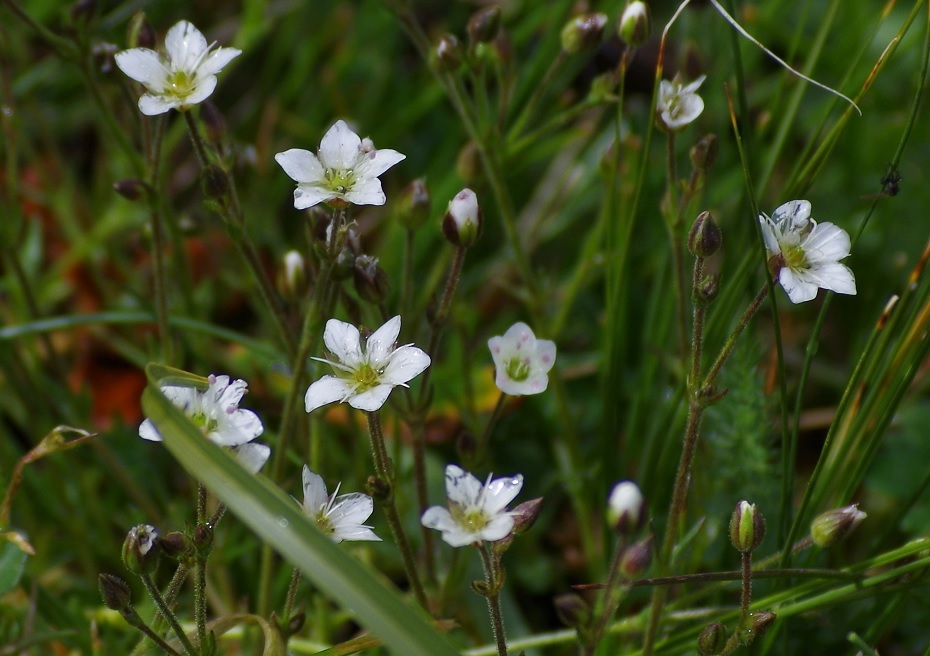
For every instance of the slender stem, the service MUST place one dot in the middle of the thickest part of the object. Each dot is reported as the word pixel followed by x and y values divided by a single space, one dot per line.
pixel 530 107
pixel 200 599
pixel 406 287
pixel 168 614
pixel 492 595
pixel 135 621
pixel 746 595
pixel 174 587
pixel 385 472
pixel 674 229
pixel 609 601
pixel 730 344
pixel 291 596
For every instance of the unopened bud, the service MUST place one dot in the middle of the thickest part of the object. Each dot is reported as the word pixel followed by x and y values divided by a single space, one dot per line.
pixel 213 122
pixel 705 237
pixel 104 56
pixel 292 277
pixel 747 527
pixel 447 57
pixel 712 639
pixel 141 33
pixel 704 153
pixel 462 223
pixel 215 181
pixel 525 515
pixel 141 551
pixel 583 32
pixel 320 222
pixel 572 610
pixel 759 622
pixel 636 558
pixel 414 205
pixel 296 623
pixel 115 592
pixel 626 508
pixel 378 488
pixel 371 282
pixel 131 188
pixel 176 545
pixel 345 264
pixel 468 163
pixel 634 24
pixel 708 287
pixel 834 525
pixel 484 25
pixel 203 538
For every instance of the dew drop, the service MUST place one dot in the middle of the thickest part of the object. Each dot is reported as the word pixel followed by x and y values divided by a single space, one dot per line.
pixel 282 522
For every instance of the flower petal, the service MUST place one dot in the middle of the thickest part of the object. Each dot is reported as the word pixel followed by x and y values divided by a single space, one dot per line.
pixel 826 242
pixel 796 214
pixel 371 399
pixel 185 44
pixel 834 276
pixel 798 288
pixel 351 509
pixel 308 195
pixel 501 491
pixel 438 518
pixel 382 160
pixel 366 191
pixel 340 147
pixel 216 60
pixel 315 497
pixel 253 456
pixel 201 92
pixel 152 105
pixel 147 431
pixel 300 165
pixel 343 341
pixel 237 428
pixel 406 363
pixel 326 390
pixel 380 343
pixel 545 353
pixel 462 488
pixel 143 65
pixel 497 529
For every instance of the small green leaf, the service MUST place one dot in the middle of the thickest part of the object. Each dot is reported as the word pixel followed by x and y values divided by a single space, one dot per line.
pixel 12 563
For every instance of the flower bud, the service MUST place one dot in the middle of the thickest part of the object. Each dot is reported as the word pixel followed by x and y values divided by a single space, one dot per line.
pixel 344 267
pixel 636 558
pixel 462 223
pixel 704 153
pixel 634 24
pixel 131 188
pixel 708 288
pixel 447 57
pixel 712 639
pixel 213 122
pixel 414 205
pixel 141 33
pixel 759 622
pixel 320 222
pixel 583 33
pixel 176 545
pixel 834 525
pixel 115 592
pixel 371 282
pixel 141 551
pixel 378 488
pixel 104 56
pixel 215 181
pixel 705 237
pixel 292 276
pixel 572 610
pixel 203 539
pixel 525 515
pixel 626 508
pixel 747 527
pixel 484 25
pixel 468 162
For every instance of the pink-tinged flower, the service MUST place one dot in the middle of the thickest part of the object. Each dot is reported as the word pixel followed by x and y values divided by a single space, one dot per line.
pixel 364 378
pixel 184 75
pixel 521 361
pixel 344 170
pixel 476 512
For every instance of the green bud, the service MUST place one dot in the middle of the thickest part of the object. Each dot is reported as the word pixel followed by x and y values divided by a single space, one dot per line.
pixel 115 592
pixel 468 163
pixel 759 622
pixel 176 545
pixel 712 639
pixel 484 25
pixel 708 288
pixel 462 222
pixel 525 515
pixel 447 57
pixel 141 550
pixel 634 24
pixel 371 282
pixel 583 33
pixel 203 539
pixel 572 610
pixel 705 237
pixel 834 525
pixel 413 207
pixel 747 527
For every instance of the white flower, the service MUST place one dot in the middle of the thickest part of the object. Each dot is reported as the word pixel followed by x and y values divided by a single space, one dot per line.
pixel 805 253
pixel 476 512
pixel 364 378
pixel 345 170
pixel 678 104
pixel 522 362
pixel 462 222
pixel 185 75
pixel 216 412
pixel 340 517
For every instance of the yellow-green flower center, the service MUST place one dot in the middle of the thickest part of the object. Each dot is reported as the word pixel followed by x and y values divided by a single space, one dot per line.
pixel 181 84
pixel 367 376
pixel 795 257
pixel 517 369
pixel 339 180
pixel 323 523
pixel 206 424
pixel 472 519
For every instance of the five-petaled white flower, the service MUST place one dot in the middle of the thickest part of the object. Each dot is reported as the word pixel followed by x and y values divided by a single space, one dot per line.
pixel 216 412
pixel 345 170
pixel 678 104
pixel 340 517
pixel 522 362
pixel 476 512
pixel 184 75
pixel 806 254
pixel 364 378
